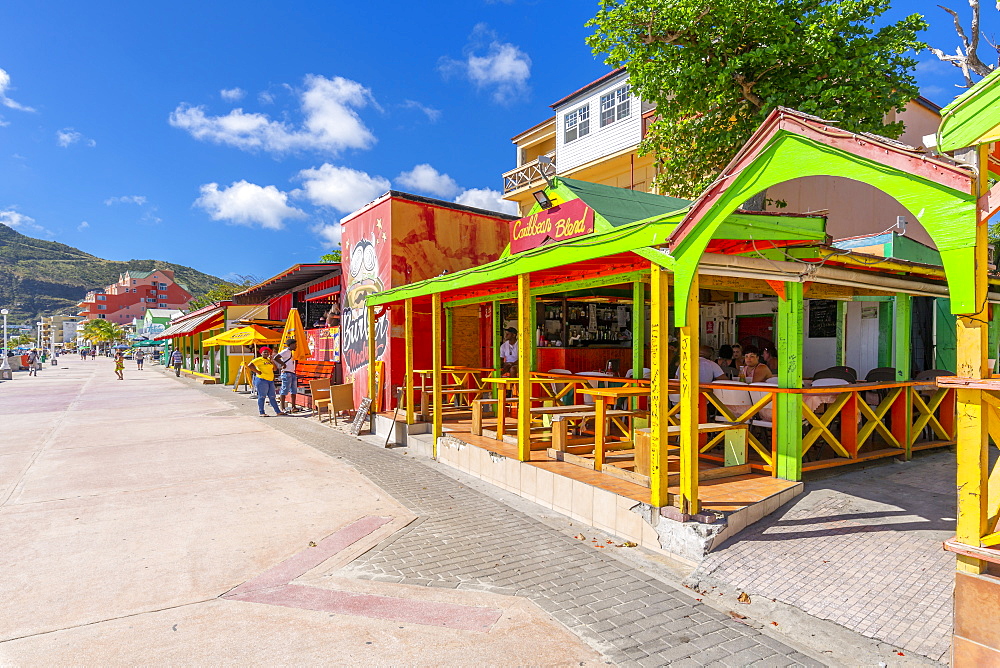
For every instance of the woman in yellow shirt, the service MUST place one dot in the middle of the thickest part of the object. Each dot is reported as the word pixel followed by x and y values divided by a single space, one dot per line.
pixel 263 381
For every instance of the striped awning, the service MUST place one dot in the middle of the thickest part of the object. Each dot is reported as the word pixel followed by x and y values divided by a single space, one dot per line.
pixel 199 323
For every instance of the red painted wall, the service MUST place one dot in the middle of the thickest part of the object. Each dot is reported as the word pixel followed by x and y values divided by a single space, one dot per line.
pixel 396 242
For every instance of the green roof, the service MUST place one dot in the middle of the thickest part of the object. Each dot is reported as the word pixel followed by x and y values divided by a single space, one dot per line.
pixel 972 118
pixel 132 273
pixel 621 206
pixel 642 222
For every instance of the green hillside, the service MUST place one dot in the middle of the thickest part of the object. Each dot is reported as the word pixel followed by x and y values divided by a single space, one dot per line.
pixel 39 277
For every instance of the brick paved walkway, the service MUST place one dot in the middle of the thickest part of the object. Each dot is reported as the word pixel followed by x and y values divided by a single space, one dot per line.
pixel 862 550
pixel 465 539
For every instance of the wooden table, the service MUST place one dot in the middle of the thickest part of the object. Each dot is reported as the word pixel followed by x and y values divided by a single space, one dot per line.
pixel 602 397
pixel 502 385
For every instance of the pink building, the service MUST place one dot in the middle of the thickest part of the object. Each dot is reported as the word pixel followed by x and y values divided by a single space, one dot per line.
pixel 134 292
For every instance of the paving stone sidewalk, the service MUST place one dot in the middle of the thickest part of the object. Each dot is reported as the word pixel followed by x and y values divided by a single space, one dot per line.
pixel 862 550
pixel 465 539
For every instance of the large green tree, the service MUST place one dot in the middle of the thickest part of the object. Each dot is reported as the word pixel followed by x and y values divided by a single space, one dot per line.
pixel 223 291
pixel 716 68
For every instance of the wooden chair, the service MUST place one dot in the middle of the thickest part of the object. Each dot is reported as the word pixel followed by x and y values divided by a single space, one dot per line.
pixel 321 400
pixel 342 400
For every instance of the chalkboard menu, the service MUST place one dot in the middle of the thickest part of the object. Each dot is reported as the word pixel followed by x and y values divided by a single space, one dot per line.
pixel 361 416
pixel 822 318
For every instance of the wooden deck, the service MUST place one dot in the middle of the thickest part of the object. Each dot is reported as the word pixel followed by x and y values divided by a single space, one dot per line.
pixel 725 495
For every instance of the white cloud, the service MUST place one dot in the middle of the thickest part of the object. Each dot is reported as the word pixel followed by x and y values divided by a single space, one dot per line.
pixel 341 188
pixel 330 121
pixel 6 101
pixel 425 178
pixel 329 234
pixel 83 225
pixel 500 67
pixel 126 199
pixel 22 223
pixel 431 113
pixel 68 136
pixel 485 198
pixel 232 94
pixel 246 203
pixel 265 98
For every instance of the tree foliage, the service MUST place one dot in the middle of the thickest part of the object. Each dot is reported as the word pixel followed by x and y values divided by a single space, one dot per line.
pixel 223 291
pixel 100 331
pixel 332 256
pixel 715 70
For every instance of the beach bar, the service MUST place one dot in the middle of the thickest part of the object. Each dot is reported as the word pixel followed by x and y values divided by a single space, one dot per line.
pixel 606 289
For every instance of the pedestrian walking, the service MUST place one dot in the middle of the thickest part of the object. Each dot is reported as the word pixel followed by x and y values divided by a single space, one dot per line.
pixel 120 364
pixel 176 359
pixel 263 382
pixel 93 353
pixel 285 363
pixel 33 363
pixel 139 357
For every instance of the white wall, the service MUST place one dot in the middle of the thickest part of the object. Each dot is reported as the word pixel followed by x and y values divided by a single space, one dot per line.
pixel 861 342
pixel 600 142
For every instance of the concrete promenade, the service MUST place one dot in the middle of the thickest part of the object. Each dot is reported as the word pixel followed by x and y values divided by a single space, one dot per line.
pixel 131 511
pixel 157 521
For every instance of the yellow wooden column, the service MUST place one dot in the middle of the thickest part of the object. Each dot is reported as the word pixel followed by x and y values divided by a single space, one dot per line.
pixel 372 386
pixel 408 333
pixel 973 440
pixel 437 400
pixel 524 345
pixel 658 380
pixel 689 403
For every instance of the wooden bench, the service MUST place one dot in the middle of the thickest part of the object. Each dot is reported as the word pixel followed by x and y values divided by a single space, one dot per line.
pixel 454 393
pixel 560 430
pixel 479 405
pixel 313 370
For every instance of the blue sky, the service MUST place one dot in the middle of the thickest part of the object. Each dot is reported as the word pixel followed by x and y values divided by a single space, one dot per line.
pixel 232 136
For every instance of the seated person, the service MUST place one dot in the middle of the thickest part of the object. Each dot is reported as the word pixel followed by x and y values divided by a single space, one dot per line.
pixel 755 370
pixel 770 357
pixel 725 361
pixel 737 355
pixel 708 371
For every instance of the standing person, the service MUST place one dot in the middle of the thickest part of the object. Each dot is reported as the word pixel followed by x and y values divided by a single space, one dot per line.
pixel 33 362
pixel 176 359
pixel 93 353
pixel 139 358
pixel 263 381
pixel 285 362
pixel 508 351
pixel 120 364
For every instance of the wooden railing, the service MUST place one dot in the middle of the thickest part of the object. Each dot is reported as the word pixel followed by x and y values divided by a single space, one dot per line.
pixel 853 420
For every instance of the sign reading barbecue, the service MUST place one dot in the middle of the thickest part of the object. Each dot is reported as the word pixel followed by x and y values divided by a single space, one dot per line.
pixel 570 219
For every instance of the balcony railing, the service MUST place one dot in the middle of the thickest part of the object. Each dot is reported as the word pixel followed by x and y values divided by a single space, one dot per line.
pixel 528 174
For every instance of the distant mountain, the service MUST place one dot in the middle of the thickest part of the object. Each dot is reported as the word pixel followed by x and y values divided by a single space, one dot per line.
pixel 39 277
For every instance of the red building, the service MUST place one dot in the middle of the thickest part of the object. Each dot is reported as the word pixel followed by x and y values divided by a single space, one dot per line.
pixel 134 292
pixel 399 239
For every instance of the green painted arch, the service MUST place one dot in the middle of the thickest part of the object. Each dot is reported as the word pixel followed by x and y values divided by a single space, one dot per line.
pixel 949 216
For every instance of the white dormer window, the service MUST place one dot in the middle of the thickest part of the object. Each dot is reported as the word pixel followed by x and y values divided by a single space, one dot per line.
pixel 615 106
pixel 577 124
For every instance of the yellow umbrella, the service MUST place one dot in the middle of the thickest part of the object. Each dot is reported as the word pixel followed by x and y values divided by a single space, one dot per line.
pixel 295 330
pixel 244 336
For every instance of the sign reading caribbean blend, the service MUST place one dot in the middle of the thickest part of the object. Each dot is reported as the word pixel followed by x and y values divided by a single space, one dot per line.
pixel 570 219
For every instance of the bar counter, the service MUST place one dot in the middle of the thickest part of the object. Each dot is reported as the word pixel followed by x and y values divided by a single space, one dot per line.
pixel 584 358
